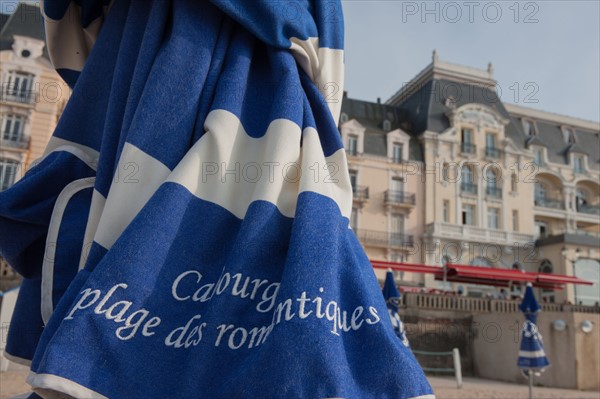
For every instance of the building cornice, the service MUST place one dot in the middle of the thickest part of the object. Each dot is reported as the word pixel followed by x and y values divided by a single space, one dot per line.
pixel 518 110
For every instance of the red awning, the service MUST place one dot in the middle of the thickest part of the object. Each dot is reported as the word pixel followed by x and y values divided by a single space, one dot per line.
pixel 485 275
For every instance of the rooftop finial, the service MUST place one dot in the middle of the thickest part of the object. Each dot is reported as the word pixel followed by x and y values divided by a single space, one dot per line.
pixel 434 56
pixel 491 69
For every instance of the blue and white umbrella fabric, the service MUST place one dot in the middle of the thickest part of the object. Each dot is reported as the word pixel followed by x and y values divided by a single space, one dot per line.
pixel 186 234
pixel 392 299
pixel 531 352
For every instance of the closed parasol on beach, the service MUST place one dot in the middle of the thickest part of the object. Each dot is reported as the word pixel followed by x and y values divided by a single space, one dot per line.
pixel 392 300
pixel 532 357
pixel 186 234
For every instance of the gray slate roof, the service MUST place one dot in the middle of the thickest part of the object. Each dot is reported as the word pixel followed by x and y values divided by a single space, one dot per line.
pixel 372 115
pixel 425 110
pixel 27 21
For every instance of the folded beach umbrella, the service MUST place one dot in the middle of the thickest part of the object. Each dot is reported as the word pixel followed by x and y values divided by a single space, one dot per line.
pixel 186 233
pixel 532 357
pixel 392 299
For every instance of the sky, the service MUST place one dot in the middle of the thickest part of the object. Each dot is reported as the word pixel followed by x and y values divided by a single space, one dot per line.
pixel 546 54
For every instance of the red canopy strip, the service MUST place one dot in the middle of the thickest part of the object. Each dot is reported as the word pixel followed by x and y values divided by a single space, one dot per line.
pixel 484 275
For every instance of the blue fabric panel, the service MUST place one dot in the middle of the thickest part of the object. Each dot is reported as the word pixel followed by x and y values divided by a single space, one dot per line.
pixel 26 324
pixel 24 218
pixel 324 360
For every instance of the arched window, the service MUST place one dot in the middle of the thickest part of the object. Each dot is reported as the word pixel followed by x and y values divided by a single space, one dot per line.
pixel 541 192
pixel 481 261
pixel 343 117
pixel 580 201
pixel 546 266
pixel 517 266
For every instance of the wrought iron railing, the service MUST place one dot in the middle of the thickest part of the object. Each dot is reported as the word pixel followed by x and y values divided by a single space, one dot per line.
pixel 493 152
pixel 399 197
pixel 360 193
pixel 385 239
pixel 549 203
pixel 8 140
pixel 468 148
pixel 468 188
pixel 494 192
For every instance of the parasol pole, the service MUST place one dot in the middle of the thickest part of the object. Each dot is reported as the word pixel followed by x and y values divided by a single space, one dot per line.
pixel 530 384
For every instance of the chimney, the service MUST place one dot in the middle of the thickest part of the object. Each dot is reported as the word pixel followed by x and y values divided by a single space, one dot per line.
pixel 378 100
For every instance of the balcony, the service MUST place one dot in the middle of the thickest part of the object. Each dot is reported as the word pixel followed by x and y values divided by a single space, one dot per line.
pixel 360 193
pixel 399 198
pixel 385 239
pixel 493 152
pixel 352 152
pixel 549 203
pixel 468 188
pixel 468 148
pixel 13 142
pixel 493 192
pixel 26 97
pixel 589 209
pixel 476 234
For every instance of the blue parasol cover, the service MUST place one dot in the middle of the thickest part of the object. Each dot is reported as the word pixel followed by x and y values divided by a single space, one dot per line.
pixel 531 352
pixel 189 221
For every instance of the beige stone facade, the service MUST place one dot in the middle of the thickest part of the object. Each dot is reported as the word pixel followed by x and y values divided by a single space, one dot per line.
pixel 494 184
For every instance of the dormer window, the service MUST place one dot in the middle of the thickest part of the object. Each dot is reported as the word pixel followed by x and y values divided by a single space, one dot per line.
pixel 568 135
pixel 538 156
pixel 529 127
pixel 352 146
pixel 397 152
pixel 578 164
pixel 387 125
pixel 343 117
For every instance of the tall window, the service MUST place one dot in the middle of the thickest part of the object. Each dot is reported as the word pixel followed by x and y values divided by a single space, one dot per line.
pixel 397 229
pixel 468 215
pixel 352 144
pixel 491 150
pixel 491 177
pixel 541 229
pixel 514 180
pixel 397 153
pixel 580 201
pixel 539 159
pixel 493 218
pixel 578 164
pixel 354 218
pixel 11 128
pixel 467 135
pixel 467 145
pixel 541 192
pixel 353 179
pixel 8 173
pixel 397 185
pixel 515 220
pixel 19 87
pixel 446 211
pixel 468 180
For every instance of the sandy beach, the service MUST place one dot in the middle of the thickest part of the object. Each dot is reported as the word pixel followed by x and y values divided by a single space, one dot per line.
pixel 13 383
